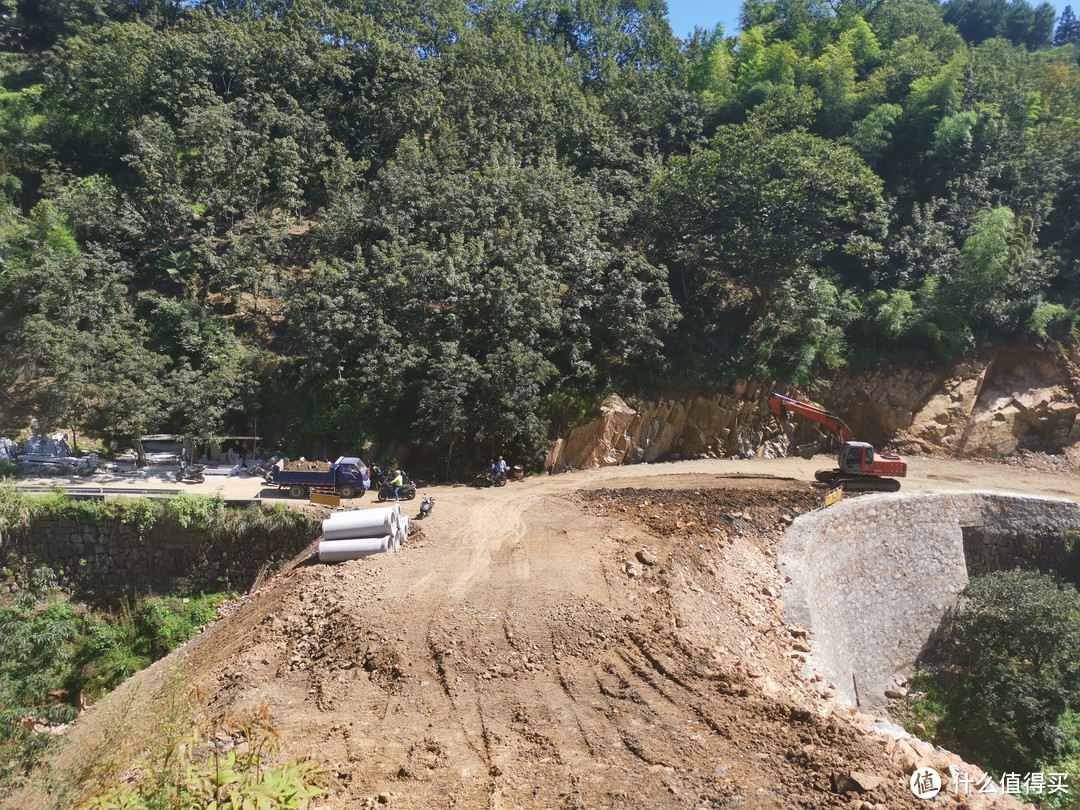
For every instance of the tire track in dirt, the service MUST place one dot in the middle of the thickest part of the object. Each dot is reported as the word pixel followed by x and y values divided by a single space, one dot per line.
pixel 546 690
pixel 554 733
pixel 511 656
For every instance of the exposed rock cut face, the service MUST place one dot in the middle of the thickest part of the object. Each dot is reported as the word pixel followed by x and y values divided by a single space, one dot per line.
pixel 991 405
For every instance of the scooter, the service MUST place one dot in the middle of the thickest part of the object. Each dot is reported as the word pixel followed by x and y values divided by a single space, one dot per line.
pixel 408 491
pixel 192 473
pixel 426 507
pixel 489 478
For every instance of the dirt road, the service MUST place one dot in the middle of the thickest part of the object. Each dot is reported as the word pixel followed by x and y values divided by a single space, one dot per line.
pixel 923 475
pixel 609 638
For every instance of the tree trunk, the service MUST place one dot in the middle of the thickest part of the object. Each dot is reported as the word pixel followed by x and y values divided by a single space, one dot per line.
pixel 140 453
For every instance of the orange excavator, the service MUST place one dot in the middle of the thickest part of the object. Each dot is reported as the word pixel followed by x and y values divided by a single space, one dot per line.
pixel 860 470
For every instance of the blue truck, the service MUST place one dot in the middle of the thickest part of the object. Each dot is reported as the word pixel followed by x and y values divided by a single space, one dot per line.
pixel 347 477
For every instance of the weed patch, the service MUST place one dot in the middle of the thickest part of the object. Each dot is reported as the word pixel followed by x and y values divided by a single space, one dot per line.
pixel 197 769
pixel 55 656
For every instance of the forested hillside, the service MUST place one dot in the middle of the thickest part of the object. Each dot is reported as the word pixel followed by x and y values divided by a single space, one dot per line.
pixel 455 222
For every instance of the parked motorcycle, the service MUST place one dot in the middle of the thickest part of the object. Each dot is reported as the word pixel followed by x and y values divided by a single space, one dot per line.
pixel 490 478
pixel 192 473
pixel 408 491
pixel 426 507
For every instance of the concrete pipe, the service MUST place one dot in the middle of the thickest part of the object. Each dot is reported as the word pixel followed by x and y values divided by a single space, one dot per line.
pixel 403 533
pixel 362 523
pixel 353 549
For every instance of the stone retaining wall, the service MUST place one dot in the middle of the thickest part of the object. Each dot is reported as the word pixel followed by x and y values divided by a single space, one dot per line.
pixel 112 556
pixel 873 577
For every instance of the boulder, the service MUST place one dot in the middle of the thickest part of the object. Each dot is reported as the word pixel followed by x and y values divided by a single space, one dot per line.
pixel 55 446
pixel 599 443
pixel 855 782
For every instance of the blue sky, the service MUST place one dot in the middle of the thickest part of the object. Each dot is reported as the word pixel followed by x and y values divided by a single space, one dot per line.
pixel 685 14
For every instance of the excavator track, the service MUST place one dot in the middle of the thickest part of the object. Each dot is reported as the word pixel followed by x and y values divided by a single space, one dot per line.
pixel 855 483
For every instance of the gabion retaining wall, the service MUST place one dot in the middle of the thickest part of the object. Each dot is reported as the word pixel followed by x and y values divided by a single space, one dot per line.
pixel 873 577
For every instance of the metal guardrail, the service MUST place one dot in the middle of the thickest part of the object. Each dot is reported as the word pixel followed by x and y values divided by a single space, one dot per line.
pixel 92 492
pixel 101 493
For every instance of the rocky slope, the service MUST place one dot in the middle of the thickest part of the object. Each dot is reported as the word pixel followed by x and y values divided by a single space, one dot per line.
pixel 992 404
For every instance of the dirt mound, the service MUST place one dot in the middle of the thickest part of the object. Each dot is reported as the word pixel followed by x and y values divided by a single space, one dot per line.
pixel 722 512
pixel 307 466
pixel 542 647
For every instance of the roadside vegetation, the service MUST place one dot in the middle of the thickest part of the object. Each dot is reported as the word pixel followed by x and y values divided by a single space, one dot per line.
pixel 1003 685
pixel 186 510
pixel 186 767
pixel 57 654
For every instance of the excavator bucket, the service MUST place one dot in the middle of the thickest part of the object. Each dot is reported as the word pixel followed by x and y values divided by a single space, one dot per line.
pixel 807 450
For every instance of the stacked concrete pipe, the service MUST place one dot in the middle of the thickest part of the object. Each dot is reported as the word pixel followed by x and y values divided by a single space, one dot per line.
pixel 362 532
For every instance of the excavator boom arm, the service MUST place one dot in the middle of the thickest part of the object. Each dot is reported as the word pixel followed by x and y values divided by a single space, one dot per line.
pixel 782 407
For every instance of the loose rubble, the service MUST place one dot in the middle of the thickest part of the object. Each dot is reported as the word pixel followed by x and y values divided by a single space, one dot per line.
pixel 609 648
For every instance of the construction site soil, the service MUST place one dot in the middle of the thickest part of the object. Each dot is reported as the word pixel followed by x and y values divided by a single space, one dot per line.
pixel 307 466
pixel 579 641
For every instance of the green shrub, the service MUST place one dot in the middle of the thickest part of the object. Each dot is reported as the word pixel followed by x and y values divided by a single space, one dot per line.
pixel 107 656
pixel 565 409
pixel 60 505
pixel 141 513
pixel 202 511
pixel 164 623
pixel 1047 316
pixel 927 707
pixel 35 653
pixel 206 513
pixel 254 520
pixel 1069 764
pixel 42 579
pixel 52 654
pixel 194 772
pixel 17 510
pixel 1014 653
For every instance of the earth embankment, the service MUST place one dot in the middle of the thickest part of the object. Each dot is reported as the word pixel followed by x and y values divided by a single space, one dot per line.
pixel 613 638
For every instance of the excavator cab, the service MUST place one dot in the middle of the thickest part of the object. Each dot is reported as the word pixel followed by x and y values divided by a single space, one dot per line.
pixel 857 458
